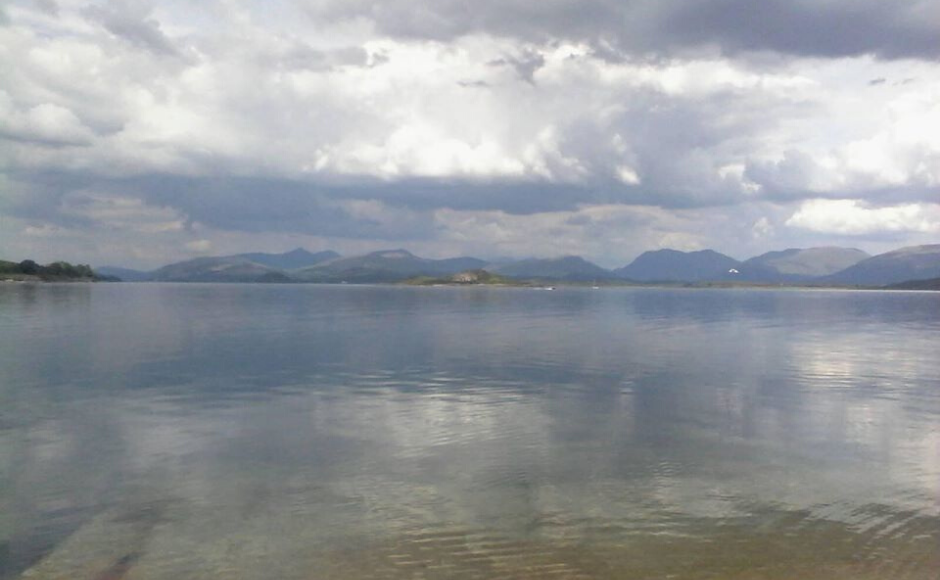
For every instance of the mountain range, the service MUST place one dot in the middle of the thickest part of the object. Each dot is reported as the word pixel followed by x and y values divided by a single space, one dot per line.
pixel 822 266
pixel 912 263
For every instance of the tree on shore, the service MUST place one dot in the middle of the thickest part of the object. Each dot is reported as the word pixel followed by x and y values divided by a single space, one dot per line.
pixel 55 270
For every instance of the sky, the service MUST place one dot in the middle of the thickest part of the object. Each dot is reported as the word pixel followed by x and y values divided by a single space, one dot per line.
pixel 137 132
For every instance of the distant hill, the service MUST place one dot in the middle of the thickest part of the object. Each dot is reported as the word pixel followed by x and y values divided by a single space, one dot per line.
pixel 124 274
pixel 911 263
pixel 223 269
pixel 298 258
pixel 806 263
pixel 384 266
pixel 675 266
pixel 930 284
pixel 572 268
pixel 250 267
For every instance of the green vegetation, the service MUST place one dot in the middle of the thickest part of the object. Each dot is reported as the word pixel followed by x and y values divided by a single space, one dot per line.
pixel 930 284
pixel 468 278
pixel 54 272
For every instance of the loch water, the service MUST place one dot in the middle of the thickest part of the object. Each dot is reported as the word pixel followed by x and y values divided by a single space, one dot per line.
pixel 177 431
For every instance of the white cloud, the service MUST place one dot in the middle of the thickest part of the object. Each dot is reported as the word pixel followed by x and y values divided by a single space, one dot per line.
pixel 44 123
pixel 498 135
pixel 762 228
pixel 251 99
pixel 853 217
pixel 860 137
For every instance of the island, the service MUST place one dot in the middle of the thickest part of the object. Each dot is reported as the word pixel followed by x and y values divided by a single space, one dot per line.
pixel 475 277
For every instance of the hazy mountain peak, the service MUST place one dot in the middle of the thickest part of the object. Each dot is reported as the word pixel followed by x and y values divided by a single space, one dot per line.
pixel 559 268
pixel 903 264
pixel 393 254
pixel 927 249
pixel 809 262
pixel 298 251
pixel 673 265
pixel 292 260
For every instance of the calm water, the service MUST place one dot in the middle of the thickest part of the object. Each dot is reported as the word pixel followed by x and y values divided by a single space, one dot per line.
pixel 315 432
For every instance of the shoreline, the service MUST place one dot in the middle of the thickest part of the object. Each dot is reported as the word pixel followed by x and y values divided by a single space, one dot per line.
pixel 521 284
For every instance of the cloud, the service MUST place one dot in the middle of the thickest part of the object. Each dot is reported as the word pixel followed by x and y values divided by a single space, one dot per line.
pixel 827 28
pixel 852 217
pixel 131 21
pixel 50 7
pixel 525 64
pixel 365 124
pixel 44 124
pixel 199 246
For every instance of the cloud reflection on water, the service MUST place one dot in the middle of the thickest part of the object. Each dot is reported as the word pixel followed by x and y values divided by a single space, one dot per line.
pixel 364 413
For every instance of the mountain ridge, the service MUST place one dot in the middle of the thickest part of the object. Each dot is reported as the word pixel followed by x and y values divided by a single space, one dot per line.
pixel 292 260
pixel 384 266
pixel 573 268
pixel 814 266
pixel 809 262
pixel 667 265
pixel 901 265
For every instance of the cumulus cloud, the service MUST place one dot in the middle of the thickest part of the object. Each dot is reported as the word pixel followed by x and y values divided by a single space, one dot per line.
pixel 852 217
pixel 44 124
pixel 359 123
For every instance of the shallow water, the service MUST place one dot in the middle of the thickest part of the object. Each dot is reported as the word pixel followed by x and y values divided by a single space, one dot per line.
pixel 159 431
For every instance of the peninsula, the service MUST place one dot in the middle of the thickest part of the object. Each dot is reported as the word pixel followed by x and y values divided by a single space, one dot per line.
pixel 30 271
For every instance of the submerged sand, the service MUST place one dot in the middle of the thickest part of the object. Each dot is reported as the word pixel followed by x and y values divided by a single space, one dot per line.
pixel 151 544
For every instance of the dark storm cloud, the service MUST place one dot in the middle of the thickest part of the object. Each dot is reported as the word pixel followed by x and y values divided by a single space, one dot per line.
pixel 279 205
pixel 246 204
pixel 39 197
pixel 831 28
pixel 828 28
